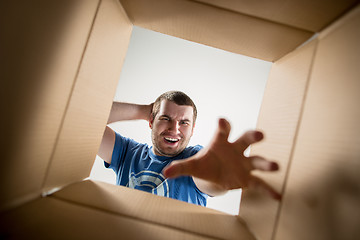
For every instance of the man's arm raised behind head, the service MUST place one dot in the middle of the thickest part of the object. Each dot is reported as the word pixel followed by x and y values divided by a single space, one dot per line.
pixel 120 112
pixel 128 111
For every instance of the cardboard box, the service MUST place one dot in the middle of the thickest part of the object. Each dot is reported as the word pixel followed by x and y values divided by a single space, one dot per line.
pixel 61 61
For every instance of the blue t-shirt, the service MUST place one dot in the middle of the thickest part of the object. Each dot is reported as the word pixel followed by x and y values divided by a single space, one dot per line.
pixel 137 167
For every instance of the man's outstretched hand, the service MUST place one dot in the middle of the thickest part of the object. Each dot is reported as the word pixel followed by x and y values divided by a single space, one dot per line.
pixel 224 165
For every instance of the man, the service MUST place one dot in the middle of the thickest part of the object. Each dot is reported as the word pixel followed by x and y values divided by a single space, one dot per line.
pixel 170 168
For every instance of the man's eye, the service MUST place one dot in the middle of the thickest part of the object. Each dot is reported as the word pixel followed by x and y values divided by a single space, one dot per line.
pixel 184 123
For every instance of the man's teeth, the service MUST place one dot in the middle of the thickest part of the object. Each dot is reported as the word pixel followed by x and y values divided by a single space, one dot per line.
pixel 171 139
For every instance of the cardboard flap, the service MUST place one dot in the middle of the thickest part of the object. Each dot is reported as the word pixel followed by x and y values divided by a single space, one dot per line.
pixel 59 91
pixel 93 91
pixel 220 28
pixel 323 188
pixel 279 118
pixel 150 208
pixel 42 43
pixel 311 15
pixel 51 218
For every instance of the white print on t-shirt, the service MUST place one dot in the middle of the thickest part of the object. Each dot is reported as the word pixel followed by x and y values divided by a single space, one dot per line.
pixel 146 180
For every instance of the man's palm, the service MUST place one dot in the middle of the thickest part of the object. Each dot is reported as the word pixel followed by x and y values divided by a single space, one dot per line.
pixel 224 164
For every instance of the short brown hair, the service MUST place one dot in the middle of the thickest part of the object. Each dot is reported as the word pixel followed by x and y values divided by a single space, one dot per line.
pixel 177 97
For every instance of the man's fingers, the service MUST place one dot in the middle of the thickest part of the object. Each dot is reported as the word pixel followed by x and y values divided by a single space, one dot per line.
pixel 180 168
pixel 260 163
pixel 223 130
pixel 248 138
pixel 260 185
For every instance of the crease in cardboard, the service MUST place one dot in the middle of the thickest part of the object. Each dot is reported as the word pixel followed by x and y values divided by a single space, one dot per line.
pixel 67 105
pixel 294 144
pixel 18 202
pixel 340 21
pixel 123 10
pixel 51 191
pixel 314 36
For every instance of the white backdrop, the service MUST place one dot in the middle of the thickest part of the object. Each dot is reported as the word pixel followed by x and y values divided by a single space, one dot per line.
pixel 222 84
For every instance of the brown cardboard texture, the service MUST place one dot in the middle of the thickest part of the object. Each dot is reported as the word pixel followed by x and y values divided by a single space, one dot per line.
pixel 61 61
pixel 307 14
pixel 230 31
pixel 95 84
pixel 185 217
pixel 51 218
pixel 44 44
pixel 324 182
pixel 278 117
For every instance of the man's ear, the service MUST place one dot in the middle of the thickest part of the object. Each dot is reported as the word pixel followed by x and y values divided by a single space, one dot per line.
pixel 151 120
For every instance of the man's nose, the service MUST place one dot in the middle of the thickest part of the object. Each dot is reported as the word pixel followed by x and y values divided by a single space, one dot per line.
pixel 174 126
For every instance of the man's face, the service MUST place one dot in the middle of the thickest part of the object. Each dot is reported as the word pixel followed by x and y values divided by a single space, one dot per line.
pixel 172 128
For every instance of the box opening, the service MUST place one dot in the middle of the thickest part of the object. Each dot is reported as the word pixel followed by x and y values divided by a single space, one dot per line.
pixel 215 79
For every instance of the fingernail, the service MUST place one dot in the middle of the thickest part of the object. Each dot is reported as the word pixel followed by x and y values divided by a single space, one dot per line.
pixel 274 166
pixel 259 136
pixel 224 125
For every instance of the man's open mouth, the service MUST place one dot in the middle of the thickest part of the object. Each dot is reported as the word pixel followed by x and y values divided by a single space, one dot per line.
pixel 171 140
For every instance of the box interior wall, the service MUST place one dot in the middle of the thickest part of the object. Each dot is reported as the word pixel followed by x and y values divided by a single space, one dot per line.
pixel 63 61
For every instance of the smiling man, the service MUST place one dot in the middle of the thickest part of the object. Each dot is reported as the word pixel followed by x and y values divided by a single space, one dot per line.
pixel 172 169
pixel 172 124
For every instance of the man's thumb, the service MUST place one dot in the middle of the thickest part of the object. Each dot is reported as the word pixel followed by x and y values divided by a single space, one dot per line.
pixel 223 130
pixel 179 168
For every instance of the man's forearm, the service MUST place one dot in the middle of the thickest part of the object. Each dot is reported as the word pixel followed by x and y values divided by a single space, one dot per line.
pixel 209 188
pixel 128 111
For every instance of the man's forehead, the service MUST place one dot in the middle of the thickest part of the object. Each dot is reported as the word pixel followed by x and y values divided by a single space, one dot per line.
pixel 172 109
